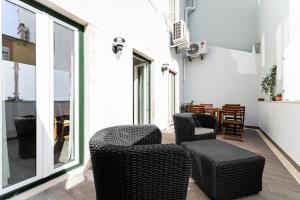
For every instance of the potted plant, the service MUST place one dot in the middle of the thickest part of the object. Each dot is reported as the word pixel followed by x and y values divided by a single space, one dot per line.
pixel 184 107
pixel 269 82
pixel 278 97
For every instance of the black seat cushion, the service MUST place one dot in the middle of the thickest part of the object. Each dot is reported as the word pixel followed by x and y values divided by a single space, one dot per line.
pixel 201 131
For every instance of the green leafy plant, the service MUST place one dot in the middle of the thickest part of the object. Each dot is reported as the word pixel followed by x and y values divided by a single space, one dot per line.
pixel 269 82
pixel 279 95
pixel 184 107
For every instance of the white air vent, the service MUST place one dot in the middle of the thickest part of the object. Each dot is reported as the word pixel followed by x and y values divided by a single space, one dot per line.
pixel 180 36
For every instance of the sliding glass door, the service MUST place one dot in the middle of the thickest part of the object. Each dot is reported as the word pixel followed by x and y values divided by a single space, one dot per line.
pixel 64 95
pixel 18 94
pixel 39 95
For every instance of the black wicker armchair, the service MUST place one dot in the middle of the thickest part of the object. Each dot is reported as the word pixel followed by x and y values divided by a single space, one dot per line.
pixel 129 163
pixel 191 127
pixel 26 132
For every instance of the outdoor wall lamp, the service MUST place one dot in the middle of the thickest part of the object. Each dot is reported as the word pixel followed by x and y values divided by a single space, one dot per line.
pixel 118 44
pixel 165 67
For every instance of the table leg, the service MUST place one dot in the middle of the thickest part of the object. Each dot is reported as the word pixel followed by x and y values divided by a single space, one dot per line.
pixel 220 120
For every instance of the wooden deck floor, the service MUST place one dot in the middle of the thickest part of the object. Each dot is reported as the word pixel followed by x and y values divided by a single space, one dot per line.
pixel 278 183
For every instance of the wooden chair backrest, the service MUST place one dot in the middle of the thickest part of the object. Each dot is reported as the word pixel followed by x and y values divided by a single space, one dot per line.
pixel 234 112
pixel 207 105
pixel 208 108
pixel 232 105
pixel 196 109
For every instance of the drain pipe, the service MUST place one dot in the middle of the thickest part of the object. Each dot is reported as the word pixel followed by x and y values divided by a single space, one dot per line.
pixel 189 10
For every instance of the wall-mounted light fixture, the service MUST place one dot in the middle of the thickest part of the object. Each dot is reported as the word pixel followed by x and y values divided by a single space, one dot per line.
pixel 165 67
pixel 118 44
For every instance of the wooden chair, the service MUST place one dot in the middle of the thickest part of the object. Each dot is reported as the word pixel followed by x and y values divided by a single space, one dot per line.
pixel 63 126
pixel 233 121
pixel 209 109
pixel 62 122
pixel 219 111
pixel 200 109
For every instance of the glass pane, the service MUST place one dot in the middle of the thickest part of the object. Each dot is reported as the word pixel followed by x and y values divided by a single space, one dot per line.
pixel 63 95
pixel 18 94
pixel 19 23
pixel 141 95
pixel 171 96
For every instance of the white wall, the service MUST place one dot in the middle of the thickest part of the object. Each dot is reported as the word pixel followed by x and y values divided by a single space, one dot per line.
pixel 224 76
pixel 108 78
pixel 280 121
pixel 230 24
pixel 279 32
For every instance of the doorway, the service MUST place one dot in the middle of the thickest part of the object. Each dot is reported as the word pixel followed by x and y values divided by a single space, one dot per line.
pixel 172 95
pixel 141 90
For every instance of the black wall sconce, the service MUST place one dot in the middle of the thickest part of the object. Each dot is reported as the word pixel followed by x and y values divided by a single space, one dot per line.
pixel 118 44
pixel 165 67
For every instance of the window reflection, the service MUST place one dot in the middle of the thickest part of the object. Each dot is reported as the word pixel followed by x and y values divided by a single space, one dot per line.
pixel 19 94
pixel 18 23
pixel 63 95
pixel 17 50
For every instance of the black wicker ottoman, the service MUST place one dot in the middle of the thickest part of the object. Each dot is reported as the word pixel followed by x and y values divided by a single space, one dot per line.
pixel 224 171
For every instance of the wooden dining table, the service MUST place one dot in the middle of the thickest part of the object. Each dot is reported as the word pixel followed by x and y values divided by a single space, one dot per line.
pixel 217 112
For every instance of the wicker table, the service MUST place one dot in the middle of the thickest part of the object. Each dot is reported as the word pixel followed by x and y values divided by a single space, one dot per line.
pixel 225 171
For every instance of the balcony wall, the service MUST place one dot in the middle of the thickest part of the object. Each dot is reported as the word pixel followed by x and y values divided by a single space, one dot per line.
pixel 280 121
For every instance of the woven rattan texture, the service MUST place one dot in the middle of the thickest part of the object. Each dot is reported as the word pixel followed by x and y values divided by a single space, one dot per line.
pixel 229 179
pixel 185 124
pixel 129 163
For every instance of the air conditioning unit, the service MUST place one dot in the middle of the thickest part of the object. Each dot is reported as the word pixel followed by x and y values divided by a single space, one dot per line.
pixel 181 35
pixel 197 49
